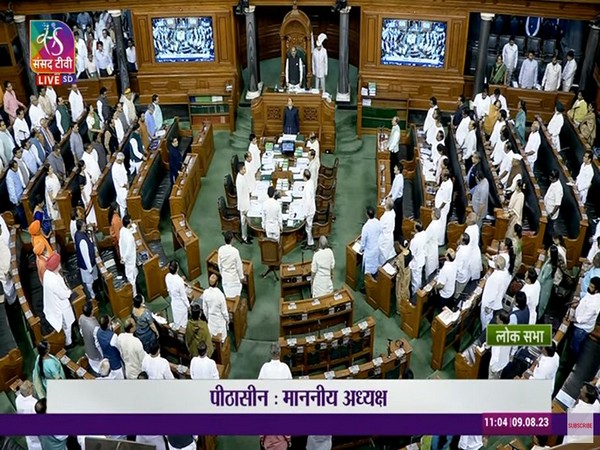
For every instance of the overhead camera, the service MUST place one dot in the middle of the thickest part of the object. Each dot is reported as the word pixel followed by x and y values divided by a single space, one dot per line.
pixel 339 5
pixel 241 6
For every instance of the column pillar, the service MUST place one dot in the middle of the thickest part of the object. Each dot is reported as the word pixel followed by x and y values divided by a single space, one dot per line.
pixel 484 36
pixel 120 46
pixel 24 41
pixel 252 55
pixel 591 48
pixel 343 87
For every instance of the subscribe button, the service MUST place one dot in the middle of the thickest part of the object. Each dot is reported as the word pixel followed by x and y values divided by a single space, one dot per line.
pixel 580 428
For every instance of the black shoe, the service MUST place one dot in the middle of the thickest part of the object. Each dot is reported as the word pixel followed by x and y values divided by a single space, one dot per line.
pixel 246 241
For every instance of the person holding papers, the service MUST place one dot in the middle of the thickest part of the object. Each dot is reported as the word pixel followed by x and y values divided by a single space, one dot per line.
pixel 272 219
pixel 309 208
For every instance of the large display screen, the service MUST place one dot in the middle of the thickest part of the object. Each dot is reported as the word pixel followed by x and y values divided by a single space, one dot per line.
pixel 413 43
pixel 183 39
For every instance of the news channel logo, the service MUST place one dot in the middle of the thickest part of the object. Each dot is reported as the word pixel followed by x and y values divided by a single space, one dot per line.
pixel 52 52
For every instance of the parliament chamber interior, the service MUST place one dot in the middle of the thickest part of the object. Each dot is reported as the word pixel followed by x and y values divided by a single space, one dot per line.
pixel 302 189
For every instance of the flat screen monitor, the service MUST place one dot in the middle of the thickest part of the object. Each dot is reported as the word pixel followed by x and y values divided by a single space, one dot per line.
pixel 183 39
pixel 416 43
pixel 288 147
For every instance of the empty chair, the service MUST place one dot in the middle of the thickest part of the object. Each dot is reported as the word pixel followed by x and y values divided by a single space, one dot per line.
pixel 533 44
pixel 502 41
pixel 329 172
pixel 230 217
pixel 493 44
pixel 230 191
pixel 322 223
pixel 520 42
pixel 235 161
pixel 271 253
pixel 549 48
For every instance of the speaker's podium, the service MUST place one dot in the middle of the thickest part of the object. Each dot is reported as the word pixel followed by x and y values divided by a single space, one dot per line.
pixel 316 114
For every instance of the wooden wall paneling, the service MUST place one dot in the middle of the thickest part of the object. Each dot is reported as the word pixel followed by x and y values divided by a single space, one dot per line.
pixel 370 42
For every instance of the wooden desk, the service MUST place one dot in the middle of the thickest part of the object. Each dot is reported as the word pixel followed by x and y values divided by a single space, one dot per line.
pixel 174 131
pixel 184 237
pixel 353 264
pixel 187 186
pixel 411 314
pixel 204 146
pixel 294 278
pixel 66 198
pixel 316 115
pixel 11 368
pixel 311 315
pixel 212 267
pixel 344 347
pixel 380 291
pixel 74 369
pixel 473 363
pixel 121 298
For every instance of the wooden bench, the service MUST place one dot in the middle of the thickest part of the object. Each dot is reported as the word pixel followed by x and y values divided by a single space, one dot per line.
pixel 381 291
pixel 212 267
pixel 390 366
pixel 330 350
pixel 204 146
pixel 155 264
pixel 412 310
pixel 74 369
pixel 104 195
pixel 457 217
pixel 36 189
pixel 295 277
pixel 472 363
pixel 148 193
pixel 185 138
pixel 185 237
pixel 114 284
pixel 353 263
pixel 68 197
pixel 187 186
pixel 312 315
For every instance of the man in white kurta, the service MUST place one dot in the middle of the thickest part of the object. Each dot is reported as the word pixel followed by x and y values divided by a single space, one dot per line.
pixel 418 248
pixel 463 129
pixel 36 114
pixel 320 63
pixel 529 72
pixel 443 199
pixel 533 144
pixel 584 179
pixel 475 261
pixel 470 443
pixel 215 309
pixel 547 366
pixel 552 76
pixel 552 202
pixel 369 242
pixel 493 291
pixel 76 102
pixel 255 152
pixel 230 267
pixel 157 113
pixel 435 234
pixel 532 289
pixel 313 144
pixel 120 182
pixel 314 164
pixel 510 56
pixel 481 104
pixel 250 172
pixel 272 218
pixel 556 124
pixel 202 367
pixel 243 198
pixel 128 105
pixel 25 404
pixel 90 158
pixel 462 262
pixel 275 369
pixel 322 266
pixel 386 240
pixel 310 207
pixel 57 306
pixel 179 299
pixel 128 251
pixel 131 349
pixel 156 366
pixel 429 120
pixel 568 73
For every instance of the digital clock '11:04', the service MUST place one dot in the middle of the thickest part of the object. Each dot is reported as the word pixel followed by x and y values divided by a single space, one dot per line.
pixel 516 423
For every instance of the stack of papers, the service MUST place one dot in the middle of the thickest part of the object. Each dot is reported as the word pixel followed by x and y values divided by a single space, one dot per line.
pixel 298 189
pixel 357 248
pixel 389 269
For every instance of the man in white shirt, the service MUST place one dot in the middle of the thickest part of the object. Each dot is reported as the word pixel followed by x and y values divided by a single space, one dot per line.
pixel 481 103
pixel 446 280
pixel 552 76
pixel 202 367
pixel 25 404
pixel 393 144
pixel 314 164
pixel 463 128
pixel 313 144
pixel 120 181
pixel 493 292
pixel 547 366
pixel 443 198
pixel 320 63
pixel 470 443
pixel 131 55
pixel 469 147
pixel 129 106
pixel 36 114
pixel 506 162
pixel 90 158
pixel 586 404
pixel 510 56
pixel 250 172
pixel 532 290
pixel 586 315
pixel 310 208
pixel 556 124
pixel 155 366
pixel 429 120
pixel 20 127
pixel 462 262
pixel 132 350
pixel 272 218
pixel 418 249
pixel 552 202
pixel 103 60
pixel 533 144
pixel 500 353
pixel 396 195
pixel 76 102
pixel 275 369
pixel 128 252
pixel 386 238
pixel 157 113
pixel 243 198
pixel 568 73
pixel 179 299
pixel 529 72
pixel 51 94
pixel 215 308
pixel 230 267
pixel 585 176
pixel 57 305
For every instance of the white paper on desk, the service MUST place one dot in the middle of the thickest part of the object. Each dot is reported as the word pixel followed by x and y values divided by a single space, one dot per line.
pixel 298 176
pixel 298 189
pixel 357 247
pixel 366 102
pixel 255 209
pixel 290 223
pixel 159 319
pixel 286 198
pixel 295 169
pixel 160 133
pixel 364 91
pixel 288 137
pixel 389 269
pixel 285 217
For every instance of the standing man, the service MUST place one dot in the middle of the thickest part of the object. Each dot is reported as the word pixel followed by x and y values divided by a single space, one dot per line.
pixel 552 76
pixel 179 299
pixel 275 369
pixel 529 72
pixel 568 73
pixel 15 185
pixel 429 120
pixel 532 290
pixel 11 104
pixel 175 159
pixel 20 127
pixel 156 367
pixel 215 308
pixel 202 367
pixel 369 242
pixel 445 281
pixel 137 154
pixel 586 174
pixel 462 261
pixel 86 258
pixel 493 292
pixel 128 252
pixel 309 208
pixel 230 267
pixel 320 63
pixel 90 158
pixel 552 202
pixel 102 107
pixel 313 144
pixel 500 353
pixel 393 145
pixel 533 144
pixel 7 143
pixel 291 118
pixel 76 102
pixel 294 70
pixel 88 326
pixel 254 150
pixel 386 239
pixel 63 121
pixel 120 181
pixel 272 218
pixel 396 195
pixel 418 248
pixel 76 143
pixel 314 165
pixel 150 120
pixel 510 56
pixel 128 106
pixel 586 314
pixel 57 305
pixel 556 124
pixel 157 112
pixel 132 350
pixel 243 204
pixel 443 198
pixel 36 113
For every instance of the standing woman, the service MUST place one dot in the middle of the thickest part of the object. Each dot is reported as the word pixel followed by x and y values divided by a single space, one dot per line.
pixel 498 75
pixel 46 367
pixel 322 267
pixel 115 226
pixel 402 264
pixel 520 121
pixel 111 143
pixel 52 188
pixel 515 208
pixel 93 123
pixel 145 330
